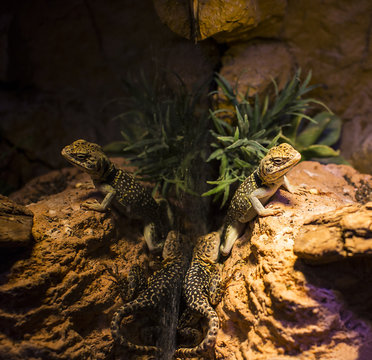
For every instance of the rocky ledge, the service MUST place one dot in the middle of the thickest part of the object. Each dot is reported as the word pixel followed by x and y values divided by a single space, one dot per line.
pixel 301 287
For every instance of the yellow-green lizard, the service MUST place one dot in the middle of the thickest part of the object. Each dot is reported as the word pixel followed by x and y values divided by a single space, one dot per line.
pixel 202 290
pixel 255 191
pixel 119 186
pixel 157 295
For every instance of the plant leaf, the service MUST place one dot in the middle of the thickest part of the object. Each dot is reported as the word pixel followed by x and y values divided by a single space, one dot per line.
pixel 116 147
pixel 318 151
pixel 311 133
pixel 332 132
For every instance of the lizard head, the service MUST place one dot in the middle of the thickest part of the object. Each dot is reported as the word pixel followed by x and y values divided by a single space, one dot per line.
pixel 88 157
pixel 173 246
pixel 277 162
pixel 207 247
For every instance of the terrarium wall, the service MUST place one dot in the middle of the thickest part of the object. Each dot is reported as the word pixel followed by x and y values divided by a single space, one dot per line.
pixel 62 63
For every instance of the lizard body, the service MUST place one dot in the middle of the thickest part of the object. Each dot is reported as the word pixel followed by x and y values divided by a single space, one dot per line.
pixel 254 192
pixel 202 289
pixel 161 286
pixel 118 186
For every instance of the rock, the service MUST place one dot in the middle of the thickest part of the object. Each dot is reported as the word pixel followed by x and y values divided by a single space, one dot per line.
pixel 357 145
pixel 331 40
pixel 276 307
pixel 339 234
pixel 15 224
pixel 253 68
pixel 43 186
pixel 225 21
pixel 57 301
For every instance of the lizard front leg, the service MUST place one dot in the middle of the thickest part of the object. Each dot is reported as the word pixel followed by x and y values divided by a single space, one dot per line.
pixel 293 189
pixel 128 286
pixel 262 192
pixel 101 207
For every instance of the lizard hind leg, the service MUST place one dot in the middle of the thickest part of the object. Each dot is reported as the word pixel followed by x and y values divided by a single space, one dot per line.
pixel 187 328
pixel 208 342
pixel 130 309
pixel 230 234
pixel 151 235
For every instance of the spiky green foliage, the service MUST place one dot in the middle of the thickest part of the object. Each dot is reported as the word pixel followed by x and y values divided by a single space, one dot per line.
pixel 163 131
pixel 257 126
pixel 313 139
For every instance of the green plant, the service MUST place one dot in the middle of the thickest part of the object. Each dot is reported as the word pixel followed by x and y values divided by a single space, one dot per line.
pixel 313 139
pixel 257 126
pixel 163 131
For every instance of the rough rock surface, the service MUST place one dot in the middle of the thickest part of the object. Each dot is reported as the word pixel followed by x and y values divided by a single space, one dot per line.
pixel 15 224
pixel 56 300
pixel 280 308
pixel 225 21
pixel 252 68
pixel 343 233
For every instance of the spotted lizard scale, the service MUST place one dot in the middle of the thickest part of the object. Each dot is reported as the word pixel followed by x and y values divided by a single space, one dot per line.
pixel 119 186
pixel 160 287
pixel 202 290
pixel 254 192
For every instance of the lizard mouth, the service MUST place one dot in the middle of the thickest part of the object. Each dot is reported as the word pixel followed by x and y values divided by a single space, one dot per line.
pixel 297 158
pixel 70 159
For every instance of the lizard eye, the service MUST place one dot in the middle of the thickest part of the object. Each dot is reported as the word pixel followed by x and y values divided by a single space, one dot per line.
pixel 81 156
pixel 277 161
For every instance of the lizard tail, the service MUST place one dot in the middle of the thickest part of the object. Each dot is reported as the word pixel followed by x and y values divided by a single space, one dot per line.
pixel 209 340
pixel 124 311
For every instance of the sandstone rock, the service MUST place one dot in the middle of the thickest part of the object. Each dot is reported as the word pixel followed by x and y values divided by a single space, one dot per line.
pixel 15 224
pixel 339 234
pixel 278 308
pixel 332 40
pixel 56 302
pixel 357 145
pixel 253 68
pixel 226 21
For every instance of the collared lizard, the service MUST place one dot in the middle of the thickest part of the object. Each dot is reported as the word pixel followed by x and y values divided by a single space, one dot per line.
pixel 157 295
pixel 202 289
pixel 254 192
pixel 120 186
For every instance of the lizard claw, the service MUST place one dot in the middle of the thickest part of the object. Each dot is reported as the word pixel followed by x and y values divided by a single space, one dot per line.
pixel 272 211
pixel 301 191
pixel 91 205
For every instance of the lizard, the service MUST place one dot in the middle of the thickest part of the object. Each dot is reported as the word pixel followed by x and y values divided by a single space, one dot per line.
pixel 255 191
pixel 158 292
pixel 202 289
pixel 121 187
